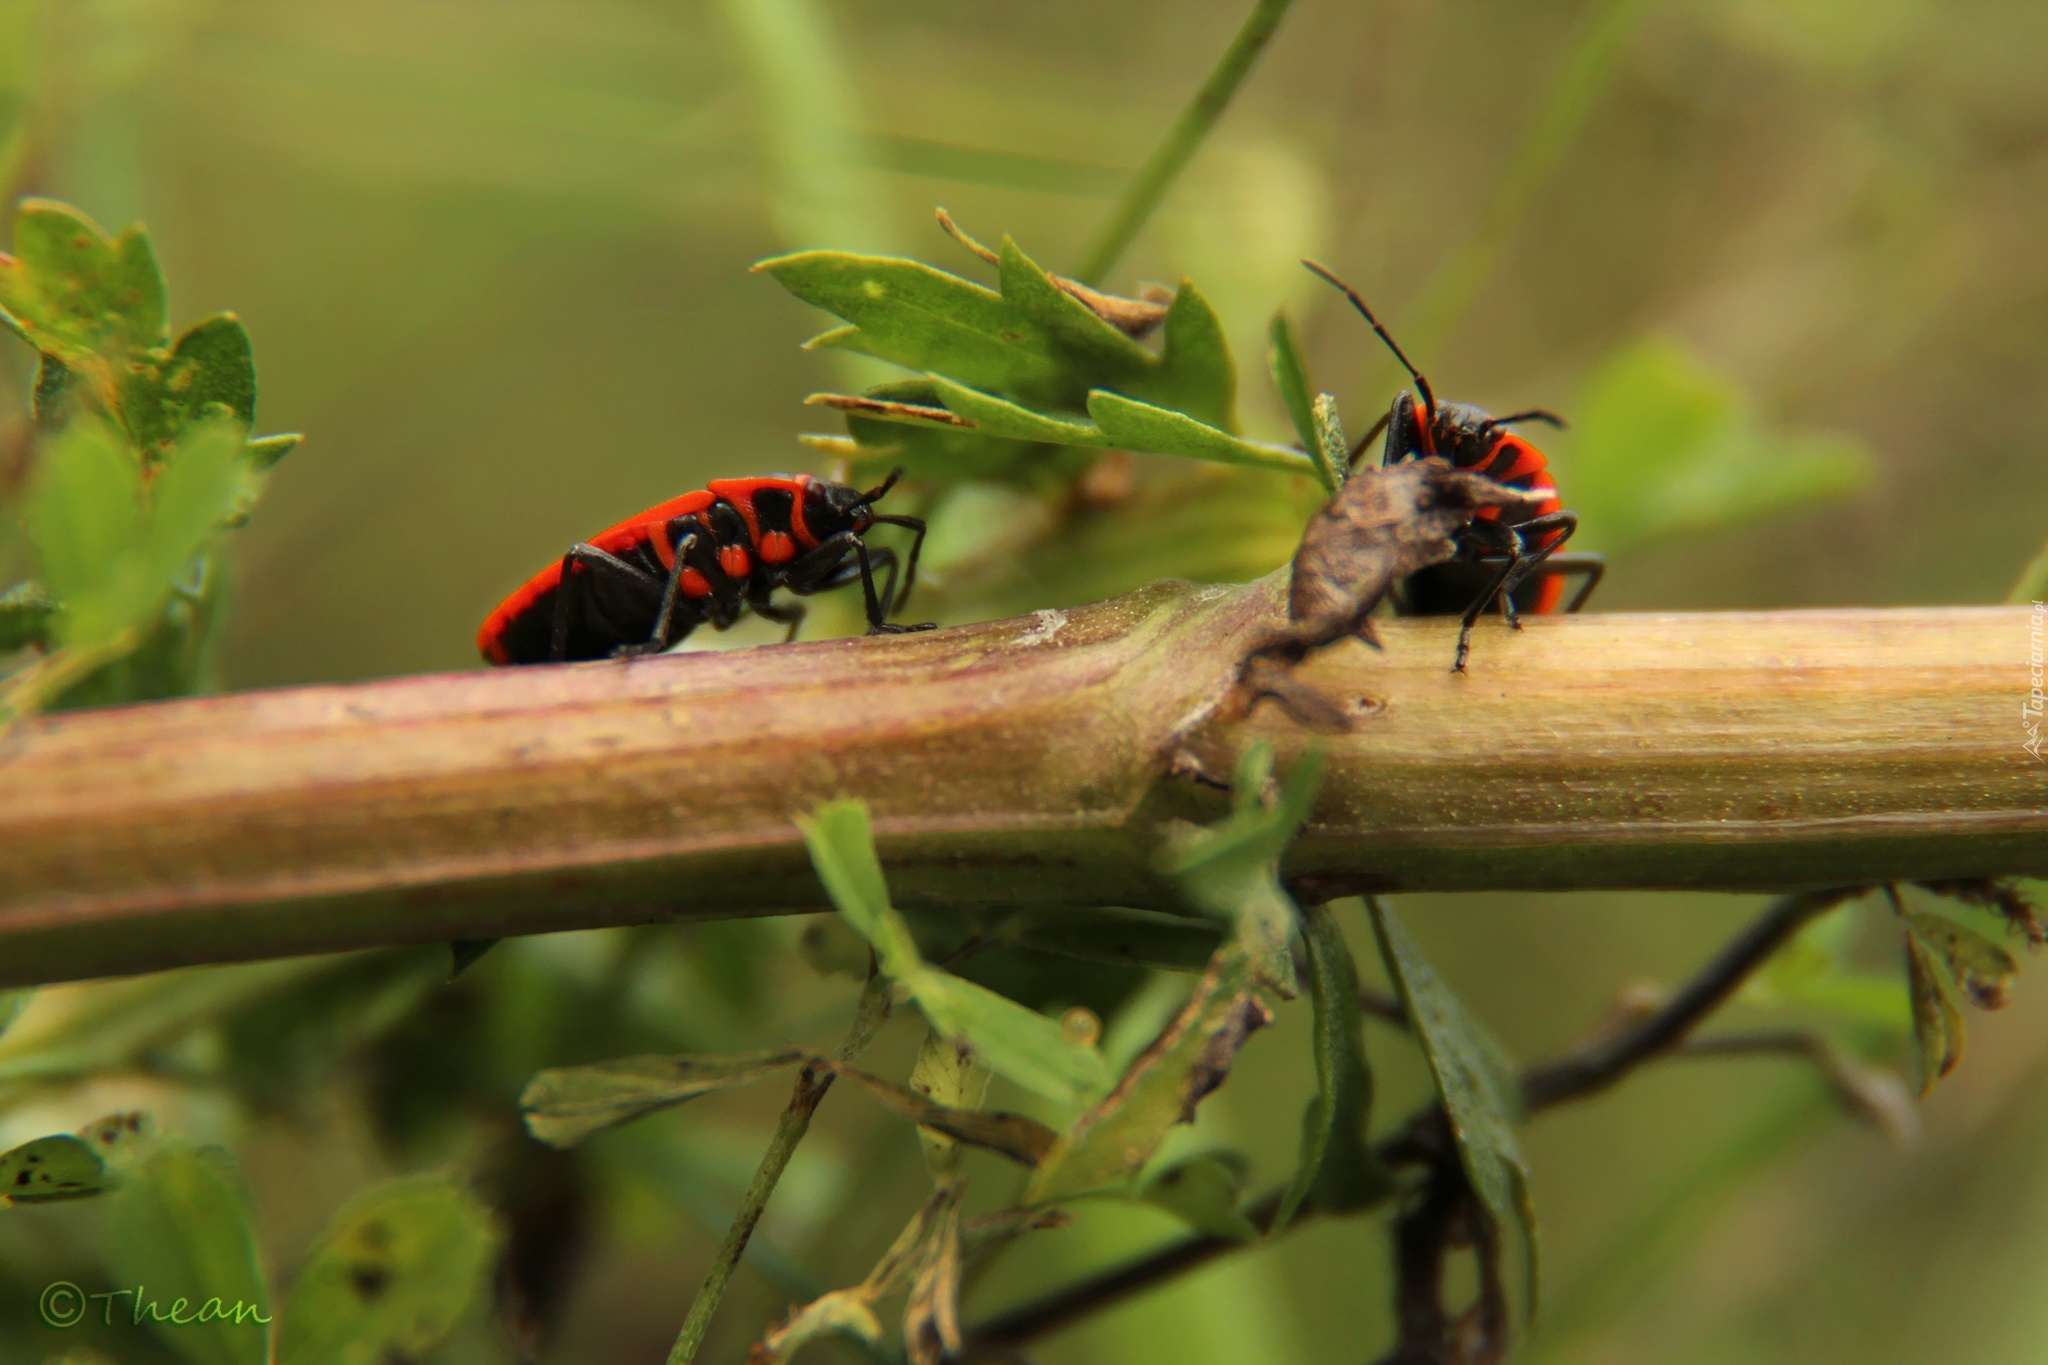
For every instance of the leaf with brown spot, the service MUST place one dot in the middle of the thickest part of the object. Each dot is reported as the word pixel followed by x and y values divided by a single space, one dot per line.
pixel 392 1276
pixel 1937 1023
pixel 1984 970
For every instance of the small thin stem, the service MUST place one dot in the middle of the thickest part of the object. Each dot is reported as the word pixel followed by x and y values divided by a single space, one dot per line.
pixel 1586 1069
pixel 1595 1065
pixel 1172 155
pixel 812 1083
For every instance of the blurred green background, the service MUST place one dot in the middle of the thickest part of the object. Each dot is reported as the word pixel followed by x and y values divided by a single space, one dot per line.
pixel 494 256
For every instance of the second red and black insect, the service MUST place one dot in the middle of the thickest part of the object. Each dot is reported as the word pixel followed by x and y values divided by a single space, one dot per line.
pixel 1509 558
pixel 708 556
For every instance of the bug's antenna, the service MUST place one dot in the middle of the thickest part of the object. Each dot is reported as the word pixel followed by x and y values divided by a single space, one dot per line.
pixel 1428 396
pixel 877 492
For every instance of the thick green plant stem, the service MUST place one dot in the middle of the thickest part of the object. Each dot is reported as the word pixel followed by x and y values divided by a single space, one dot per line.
pixel 812 1083
pixel 1172 155
pixel 1037 761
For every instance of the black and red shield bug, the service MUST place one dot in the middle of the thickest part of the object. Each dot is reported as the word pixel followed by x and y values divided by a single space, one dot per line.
pixel 707 556
pixel 1505 555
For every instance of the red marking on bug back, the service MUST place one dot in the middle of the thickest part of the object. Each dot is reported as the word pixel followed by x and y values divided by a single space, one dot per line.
pixel 733 559
pixel 695 584
pixel 777 548
pixel 740 493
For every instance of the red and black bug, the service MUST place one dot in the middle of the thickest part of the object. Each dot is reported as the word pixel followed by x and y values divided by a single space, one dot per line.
pixel 708 556
pixel 1505 555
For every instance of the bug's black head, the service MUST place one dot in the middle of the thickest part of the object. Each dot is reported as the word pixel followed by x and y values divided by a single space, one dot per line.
pixel 830 508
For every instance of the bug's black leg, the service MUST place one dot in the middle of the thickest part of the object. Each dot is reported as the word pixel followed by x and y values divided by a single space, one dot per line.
pixel 1556 529
pixel 578 589
pixel 1594 567
pixel 658 638
pixel 792 614
pixel 1486 534
pixel 1358 446
pixel 916 526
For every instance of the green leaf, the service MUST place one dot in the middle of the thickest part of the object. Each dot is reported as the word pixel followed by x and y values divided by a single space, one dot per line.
pixel 993 416
pixel 1019 1043
pixel 1937 1023
pixel 1984 970
pixel 842 847
pixel 565 1105
pixel 1130 425
pixel 392 1277
pixel 1074 331
pixel 72 293
pixel 210 373
pixel 1121 937
pixel 1290 377
pixel 1021 1139
pixel 50 1169
pixel 924 319
pixel 180 1234
pixel 950 1075
pixel 1106 1147
pixel 1473 1079
pixel 1332 453
pixel 943 453
pixel 83 506
pixel 1203 1192
pixel 28 616
pixel 1231 869
pixel 1338 1171
pixel 1196 373
pixel 266 451
pixel 1665 445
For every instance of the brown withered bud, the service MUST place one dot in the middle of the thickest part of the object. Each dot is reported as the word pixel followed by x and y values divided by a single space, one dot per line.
pixel 1383 524
pixel 1135 318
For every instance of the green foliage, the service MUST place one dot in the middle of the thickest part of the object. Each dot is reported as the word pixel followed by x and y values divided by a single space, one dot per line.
pixel 151 459
pixel 391 1278
pixel 1474 1080
pixel 1338 1172
pixel 568 1104
pixel 1204 1192
pixel 1015 1042
pixel 1663 445
pixel 181 1234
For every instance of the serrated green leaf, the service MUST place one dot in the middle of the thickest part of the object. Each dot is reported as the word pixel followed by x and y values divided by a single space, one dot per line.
pixel 947 453
pixel 50 1169
pixel 1473 1080
pixel 209 374
pixel 1127 424
pixel 1937 1023
pixel 1106 1147
pixel 1016 1042
pixel 1196 374
pixel 565 1105
pixel 1122 937
pixel 72 293
pixel 1984 970
pixel 993 416
pixel 1203 1192
pixel 1332 454
pixel 924 319
pixel 180 1233
pixel 392 1277
pixel 1075 331
pixel 1289 369
pixel 1231 869
pixel 1338 1171
pixel 1665 445
pixel 28 616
